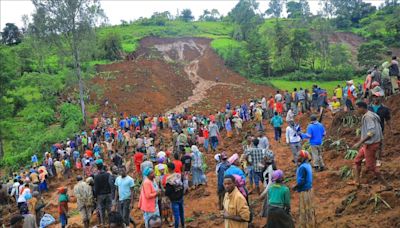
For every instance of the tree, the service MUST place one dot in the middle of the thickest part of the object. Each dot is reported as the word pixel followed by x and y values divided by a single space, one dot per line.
pixel 339 55
pixel 112 46
pixel 11 34
pixel 350 12
pixel 243 14
pixel 212 15
pixel 186 15
pixel 371 53
pixel 294 9
pixel 70 23
pixel 258 56
pixel 322 29
pixel 299 45
pixel 275 8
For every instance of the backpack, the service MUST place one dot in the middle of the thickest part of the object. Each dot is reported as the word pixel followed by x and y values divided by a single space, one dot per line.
pixel 394 70
pixel 46 220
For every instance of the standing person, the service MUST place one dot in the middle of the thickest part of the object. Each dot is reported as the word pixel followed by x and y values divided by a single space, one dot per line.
pixel 371 142
pixel 228 127
pixel 263 142
pixel 206 135
pixel 236 210
pixel 187 166
pixel 293 139
pixel 304 181
pixel 102 191
pixel 288 100
pixel 63 200
pixel 264 107
pixel 199 178
pixel 302 100
pixel 59 168
pixel 316 134
pixel 223 166
pixel 124 194
pixel 382 111
pixel 238 124
pixel 295 100
pixel 149 196
pixel 174 191
pixel 214 134
pixel 84 195
pixel 338 93
pixel 277 122
pixel 394 74
pixel 177 163
pixel 290 115
pixel 279 203
pixel 351 95
pixel 256 155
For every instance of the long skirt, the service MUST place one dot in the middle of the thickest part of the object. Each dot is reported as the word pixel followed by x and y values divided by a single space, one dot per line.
pixel 198 176
pixel 307 211
pixel 148 215
pixel 278 217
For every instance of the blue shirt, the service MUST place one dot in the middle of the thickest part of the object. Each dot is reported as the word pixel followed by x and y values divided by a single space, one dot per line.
pixel 277 121
pixel 122 124
pixel 221 170
pixel 124 187
pixel 234 170
pixel 304 177
pixel 316 133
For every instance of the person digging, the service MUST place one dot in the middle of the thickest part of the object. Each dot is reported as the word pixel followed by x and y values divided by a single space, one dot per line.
pixel 371 144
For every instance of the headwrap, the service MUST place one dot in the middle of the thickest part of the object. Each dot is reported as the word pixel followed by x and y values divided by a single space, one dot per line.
pixel 233 158
pixel 99 161
pixel 147 171
pixel 277 174
pixel 304 154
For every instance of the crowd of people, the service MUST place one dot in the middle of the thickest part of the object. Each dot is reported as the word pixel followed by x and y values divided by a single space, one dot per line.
pixel 157 159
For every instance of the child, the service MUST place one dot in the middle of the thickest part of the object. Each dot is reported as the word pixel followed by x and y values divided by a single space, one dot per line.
pixel 63 206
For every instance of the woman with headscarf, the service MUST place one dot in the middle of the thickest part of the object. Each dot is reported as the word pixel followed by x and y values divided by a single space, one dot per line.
pixel 197 167
pixel 148 196
pixel 304 181
pixel 279 203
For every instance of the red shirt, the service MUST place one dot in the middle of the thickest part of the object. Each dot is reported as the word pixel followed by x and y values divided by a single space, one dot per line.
pixel 89 153
pixel 178 166
pixel 138 158
pixel 205 133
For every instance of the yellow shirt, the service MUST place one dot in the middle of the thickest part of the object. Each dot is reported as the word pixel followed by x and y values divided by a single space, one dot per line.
pixel 335 105
pixel 235 205
pixel 338 93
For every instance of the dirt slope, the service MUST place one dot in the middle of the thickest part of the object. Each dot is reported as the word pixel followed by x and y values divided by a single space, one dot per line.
pixel 169 75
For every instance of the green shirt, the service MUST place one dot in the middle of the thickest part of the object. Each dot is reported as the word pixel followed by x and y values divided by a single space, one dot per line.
pixel 279 195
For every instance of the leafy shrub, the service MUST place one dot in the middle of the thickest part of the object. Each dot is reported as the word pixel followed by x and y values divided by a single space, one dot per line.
pixel 38 112
pixel 70 113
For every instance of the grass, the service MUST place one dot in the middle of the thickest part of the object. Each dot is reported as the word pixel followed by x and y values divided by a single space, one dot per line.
pixel 290 85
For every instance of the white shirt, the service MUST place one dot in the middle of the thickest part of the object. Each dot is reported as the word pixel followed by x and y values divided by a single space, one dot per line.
pixel 292 136
pixel 278 97
pixel 21 198
pixel 290 116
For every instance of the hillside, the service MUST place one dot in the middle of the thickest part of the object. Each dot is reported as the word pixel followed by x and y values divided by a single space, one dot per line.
pixel 168 75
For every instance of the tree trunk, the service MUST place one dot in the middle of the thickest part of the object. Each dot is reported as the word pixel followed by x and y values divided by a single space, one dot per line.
pixel 1 146
pixel 78 71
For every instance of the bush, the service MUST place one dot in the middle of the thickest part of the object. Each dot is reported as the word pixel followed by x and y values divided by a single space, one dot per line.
pixel 38 112
pixel 70 113
pixel 111 45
